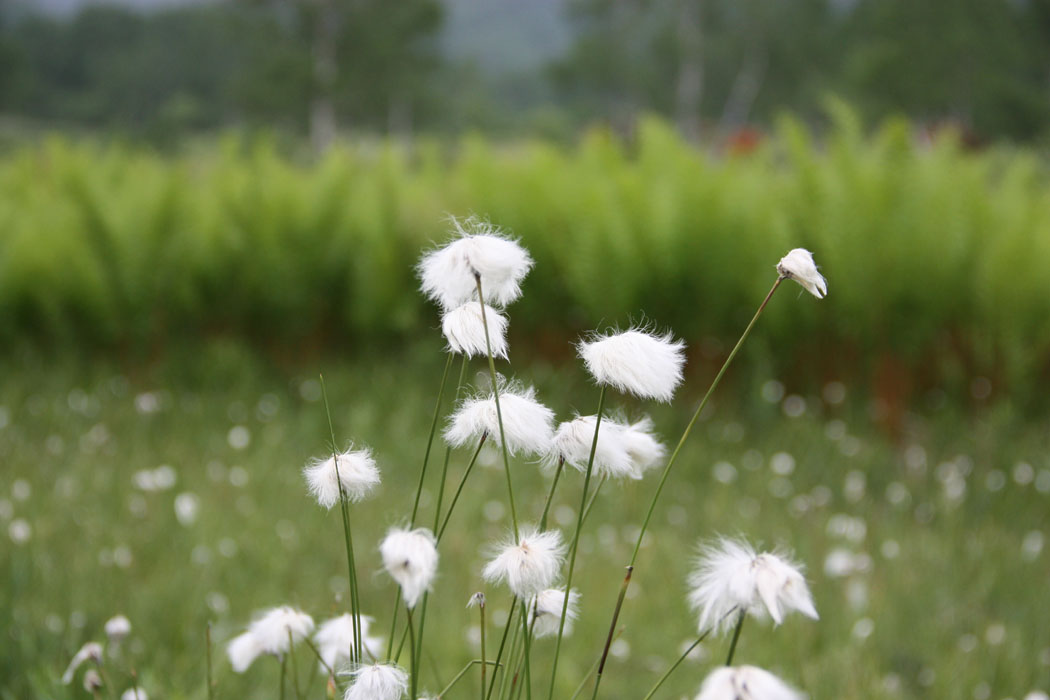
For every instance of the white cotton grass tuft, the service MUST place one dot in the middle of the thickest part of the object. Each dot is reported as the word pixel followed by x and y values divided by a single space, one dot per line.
pixel 546 611
pixel 530 564
pixel 135 693
pixel 624 450
pixel 335 640
pixel 356 470
pixel 377 682
pixel 464 330
pixel 117 628
pixel 273 632
pixel 93 681
pixel 798 265
pixel 448 273
pixel 92 651
pixel 745 683
pixel 730 576
pixel 527 424
pixel 636 362
pixel 411 559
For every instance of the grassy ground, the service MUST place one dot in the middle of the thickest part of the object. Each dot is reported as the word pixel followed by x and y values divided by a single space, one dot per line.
pixel 943 532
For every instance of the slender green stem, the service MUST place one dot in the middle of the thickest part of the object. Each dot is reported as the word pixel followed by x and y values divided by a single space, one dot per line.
pixel 295 667
pixel 317 653
pixel 681 441
pixel 503 643
pixel 463 672
pixel 526 631
pixel 593 498
pixel 481 607
pixel 550 494
pixel 676 664
pixel 530 635
pixel 207 642
pixel 448 451
pixel 576 540
pixel 284 669
pixel 459 489
pixel 590 671
pixel 509 682
pixel 110 688
pixel 393 627
pixel 414 675
pixel 608 638
pixel 499 411
pixel 696 415
pixel 351 568
pixel 430 440
pixel 736 637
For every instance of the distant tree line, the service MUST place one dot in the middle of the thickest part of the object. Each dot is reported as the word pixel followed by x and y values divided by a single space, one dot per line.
pixel 376 65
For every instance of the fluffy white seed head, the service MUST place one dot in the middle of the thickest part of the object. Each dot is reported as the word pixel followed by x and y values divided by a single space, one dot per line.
pixel 624 450
pixel 411 559
pixel 278 628
pixel 134 694
pixel 546 609
pixel 242 650
pixel 527 424
pixel 92 681
pixel 464 330
pixel 798 265
pixel 335 639
pixel 730 576
pixel 356 469
pixel 117 628
pixel 377 682
pixel 529 565
pixel 448 273
pixel 746 683
pixel 636 362
pixel 92 651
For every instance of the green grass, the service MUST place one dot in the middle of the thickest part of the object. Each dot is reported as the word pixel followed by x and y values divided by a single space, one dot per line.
pixel 958 609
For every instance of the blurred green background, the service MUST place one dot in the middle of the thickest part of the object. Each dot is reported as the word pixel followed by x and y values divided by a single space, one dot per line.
pixel 203 205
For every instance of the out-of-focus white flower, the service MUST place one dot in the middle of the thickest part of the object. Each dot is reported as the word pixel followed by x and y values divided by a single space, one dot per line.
pixel 243 650
pixel 134 694
pixel 90 651
pixel 527 424
pixel 356 469
pixel 279 628
pixel 92 681
pixel 636 362
pixel 465 331
pixel 625 450
pixel 448 273
pixel 186 507
pixel 377 682
pixel 798 265
pixel 335 639
pixel 745 683
pixel 117 628
pixel 528 565
pixel 546 610
pixel 731 576
pixel 411 559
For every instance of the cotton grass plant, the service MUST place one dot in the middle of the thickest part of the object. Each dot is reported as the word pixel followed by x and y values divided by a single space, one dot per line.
pixel 472 278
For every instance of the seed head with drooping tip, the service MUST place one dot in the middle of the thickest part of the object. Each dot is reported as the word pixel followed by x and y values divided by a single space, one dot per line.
pixel 745 683
pixel 411 559
pixel 91 651
pixel 448 274
pixel 92 681
pixel 464 330
pixel 798 265
pixel 636 362
pixel 377 682
pixel 730 576
pixel 529 565
pixel 527 424
pixel 356 470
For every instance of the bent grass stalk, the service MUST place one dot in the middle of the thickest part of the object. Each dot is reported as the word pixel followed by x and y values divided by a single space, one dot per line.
pixel 355 604
pixel 670 463
pixel 676 664
pixel 463 671
pixel 576 540
pixel 499 412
